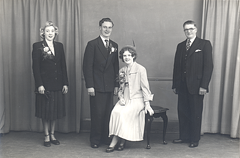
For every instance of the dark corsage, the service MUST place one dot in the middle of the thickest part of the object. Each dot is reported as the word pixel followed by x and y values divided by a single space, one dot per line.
pixel 46 52
pixel 112 49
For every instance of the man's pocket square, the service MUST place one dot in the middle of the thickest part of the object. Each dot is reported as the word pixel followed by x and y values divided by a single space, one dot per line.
pixel 198 50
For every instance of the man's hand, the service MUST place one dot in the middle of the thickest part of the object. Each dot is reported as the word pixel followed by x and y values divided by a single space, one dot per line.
pixel 91 91
pixel 41 90
pixel 202 91
pixel 175 90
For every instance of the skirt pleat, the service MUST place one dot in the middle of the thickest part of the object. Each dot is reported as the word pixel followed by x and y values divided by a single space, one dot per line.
pixel 50 106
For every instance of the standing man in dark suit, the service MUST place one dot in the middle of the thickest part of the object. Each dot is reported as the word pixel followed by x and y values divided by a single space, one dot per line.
pixel 100 68
pixel 193 66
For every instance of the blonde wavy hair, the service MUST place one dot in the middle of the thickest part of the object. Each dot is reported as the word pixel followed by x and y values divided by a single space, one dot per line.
pixel 42 29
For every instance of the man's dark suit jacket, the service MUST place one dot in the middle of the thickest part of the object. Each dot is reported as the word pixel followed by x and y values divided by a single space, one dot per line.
pixel 50 73
pixel 199 65
pixel 100 67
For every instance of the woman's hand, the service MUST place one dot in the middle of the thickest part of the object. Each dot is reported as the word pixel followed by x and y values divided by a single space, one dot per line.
pixel 148 108
pixel 41 89
pixel 122 101
pixel 65 89
pixel 115 90
pixel 91 91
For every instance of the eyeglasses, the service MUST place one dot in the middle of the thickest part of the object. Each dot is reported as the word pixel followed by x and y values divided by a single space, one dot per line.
pixel 190 29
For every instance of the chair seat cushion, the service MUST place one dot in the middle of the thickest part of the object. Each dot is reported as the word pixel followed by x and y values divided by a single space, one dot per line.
pixel 158 109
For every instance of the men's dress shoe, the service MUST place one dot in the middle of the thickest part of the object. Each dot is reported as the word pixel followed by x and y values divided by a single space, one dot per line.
pixel 110 149
pixel 193 144
pixel 55 142
pixel 47 144
pixel 94 146
pixel 120 147
pixel 179 141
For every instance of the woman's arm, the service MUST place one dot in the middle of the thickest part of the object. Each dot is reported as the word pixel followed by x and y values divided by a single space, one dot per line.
pixel 64 66
pixel 36 58
pixel 147 95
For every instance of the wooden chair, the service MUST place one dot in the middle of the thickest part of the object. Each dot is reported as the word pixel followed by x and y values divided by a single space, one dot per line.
pixel 158 112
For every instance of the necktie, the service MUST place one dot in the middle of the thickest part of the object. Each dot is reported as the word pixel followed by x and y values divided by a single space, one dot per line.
pixel 188 44
pixel 107 44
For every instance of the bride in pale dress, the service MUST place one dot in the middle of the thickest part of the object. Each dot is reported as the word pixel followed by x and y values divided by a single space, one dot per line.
pixel 128 116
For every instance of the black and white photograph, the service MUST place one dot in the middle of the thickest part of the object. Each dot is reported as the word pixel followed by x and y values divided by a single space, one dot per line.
pixel 119 78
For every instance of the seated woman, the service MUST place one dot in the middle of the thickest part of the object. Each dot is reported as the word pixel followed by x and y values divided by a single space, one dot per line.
pixel 128 116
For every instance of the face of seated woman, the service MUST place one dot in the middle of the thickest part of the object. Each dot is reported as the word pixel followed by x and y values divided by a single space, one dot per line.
pixel 127 57
pixel 49 33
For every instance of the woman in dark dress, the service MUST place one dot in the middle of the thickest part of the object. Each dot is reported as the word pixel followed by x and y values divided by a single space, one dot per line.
pixel 51 81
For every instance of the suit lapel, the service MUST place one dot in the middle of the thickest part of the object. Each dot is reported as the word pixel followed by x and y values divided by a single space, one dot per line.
pixel 193 46
pixel 133 68
pixel 109 56
pixel 55 45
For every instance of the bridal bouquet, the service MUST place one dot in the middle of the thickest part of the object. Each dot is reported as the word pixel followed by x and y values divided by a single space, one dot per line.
pixel 121 77
pixel 123 82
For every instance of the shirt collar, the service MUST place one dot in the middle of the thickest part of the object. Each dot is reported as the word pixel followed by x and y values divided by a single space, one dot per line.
pixel 192 39
pixel 103 39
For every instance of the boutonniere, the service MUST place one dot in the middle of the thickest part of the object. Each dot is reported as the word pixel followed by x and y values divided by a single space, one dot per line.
pixel 198 50
pixel 46 52
pixel 112 49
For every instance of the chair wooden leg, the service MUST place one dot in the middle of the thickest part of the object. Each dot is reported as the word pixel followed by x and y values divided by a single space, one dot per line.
pixel 149 120
pixel 165 123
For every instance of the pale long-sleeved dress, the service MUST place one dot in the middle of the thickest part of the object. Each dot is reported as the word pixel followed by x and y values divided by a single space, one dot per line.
pixel 128 120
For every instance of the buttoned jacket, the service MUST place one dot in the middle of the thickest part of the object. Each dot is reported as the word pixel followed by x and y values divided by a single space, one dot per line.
pixel 50 73
pixel 199 65
pixel 101 65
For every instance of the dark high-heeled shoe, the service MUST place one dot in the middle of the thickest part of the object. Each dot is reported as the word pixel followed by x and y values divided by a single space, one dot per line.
pixel 47 143
pixel 55 142
pixel 110 149
pixel 121 147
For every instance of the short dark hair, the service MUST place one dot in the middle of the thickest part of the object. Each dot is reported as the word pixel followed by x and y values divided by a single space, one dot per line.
pixel 131 50
pixel 189 22
pixel 105 20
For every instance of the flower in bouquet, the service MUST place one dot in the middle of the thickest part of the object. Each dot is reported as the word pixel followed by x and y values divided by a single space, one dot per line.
pixel 121 77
